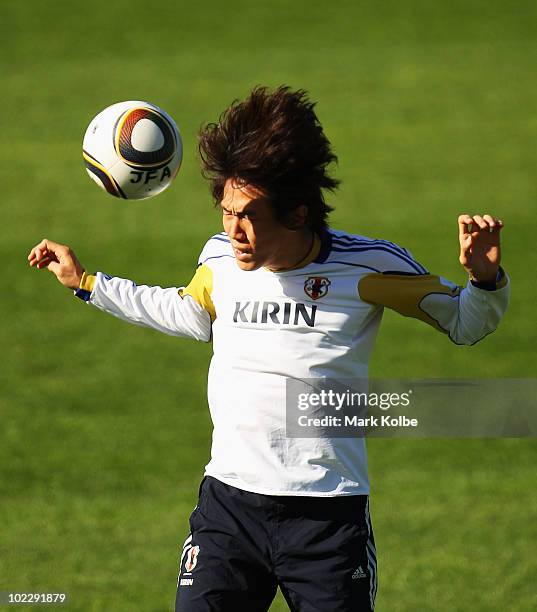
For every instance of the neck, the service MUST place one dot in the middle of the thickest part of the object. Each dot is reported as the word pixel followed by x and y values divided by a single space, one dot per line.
pixel 300 245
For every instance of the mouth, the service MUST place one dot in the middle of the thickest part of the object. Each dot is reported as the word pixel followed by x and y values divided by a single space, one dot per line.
pixel 242 252
pixel 241 255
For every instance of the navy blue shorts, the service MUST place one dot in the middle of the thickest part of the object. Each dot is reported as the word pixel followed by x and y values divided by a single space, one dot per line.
pixel 320 552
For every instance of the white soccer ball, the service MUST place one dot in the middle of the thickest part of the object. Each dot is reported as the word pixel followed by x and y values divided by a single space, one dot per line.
pixel 132 150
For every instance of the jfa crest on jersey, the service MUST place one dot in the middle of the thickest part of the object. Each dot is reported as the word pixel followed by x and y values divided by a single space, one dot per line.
pixel 316 286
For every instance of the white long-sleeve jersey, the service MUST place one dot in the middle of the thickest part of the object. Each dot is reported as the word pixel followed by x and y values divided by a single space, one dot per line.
pixel 319 320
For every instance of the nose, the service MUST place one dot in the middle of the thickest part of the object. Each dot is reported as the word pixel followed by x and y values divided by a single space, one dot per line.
pixel 234 229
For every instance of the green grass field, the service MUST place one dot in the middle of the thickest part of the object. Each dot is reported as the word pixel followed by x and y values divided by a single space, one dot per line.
pixel 431 107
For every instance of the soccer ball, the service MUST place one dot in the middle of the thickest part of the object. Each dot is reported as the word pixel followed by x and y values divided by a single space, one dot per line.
pixel 132 150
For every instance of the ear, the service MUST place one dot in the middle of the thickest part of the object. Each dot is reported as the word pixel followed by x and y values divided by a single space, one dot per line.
pixel 296 219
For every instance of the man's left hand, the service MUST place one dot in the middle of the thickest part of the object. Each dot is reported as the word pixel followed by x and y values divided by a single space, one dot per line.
pixel 479 238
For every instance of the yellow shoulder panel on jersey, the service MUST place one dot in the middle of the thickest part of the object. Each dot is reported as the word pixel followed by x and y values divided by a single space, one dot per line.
pixel 404 293
pixel 200 288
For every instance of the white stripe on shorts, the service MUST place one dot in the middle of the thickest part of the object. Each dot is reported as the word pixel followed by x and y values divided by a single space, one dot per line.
pixel 371 559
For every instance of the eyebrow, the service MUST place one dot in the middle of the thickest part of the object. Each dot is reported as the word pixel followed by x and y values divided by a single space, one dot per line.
pixel 247 210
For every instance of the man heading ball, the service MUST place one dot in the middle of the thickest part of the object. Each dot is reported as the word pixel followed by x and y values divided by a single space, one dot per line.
pixel 283 296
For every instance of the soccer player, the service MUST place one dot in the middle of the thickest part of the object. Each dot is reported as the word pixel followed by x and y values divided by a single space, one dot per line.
pixel 283 296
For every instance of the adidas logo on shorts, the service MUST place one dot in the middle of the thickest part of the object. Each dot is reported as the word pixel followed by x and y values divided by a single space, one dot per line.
pixel 358 573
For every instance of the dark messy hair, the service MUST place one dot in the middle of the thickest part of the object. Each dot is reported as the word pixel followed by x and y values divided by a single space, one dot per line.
pixel 274 142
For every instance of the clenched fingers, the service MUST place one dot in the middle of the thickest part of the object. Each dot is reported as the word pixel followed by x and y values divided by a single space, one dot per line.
pixel 472 225
pixel 45 252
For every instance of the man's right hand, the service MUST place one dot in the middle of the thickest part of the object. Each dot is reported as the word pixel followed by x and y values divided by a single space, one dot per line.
pixel 60 260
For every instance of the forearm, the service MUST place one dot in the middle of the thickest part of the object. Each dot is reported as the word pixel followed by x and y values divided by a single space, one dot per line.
pixel 471 315
pixel 159 308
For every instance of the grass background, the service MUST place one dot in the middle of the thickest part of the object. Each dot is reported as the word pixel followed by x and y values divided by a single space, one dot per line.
pixel 104 427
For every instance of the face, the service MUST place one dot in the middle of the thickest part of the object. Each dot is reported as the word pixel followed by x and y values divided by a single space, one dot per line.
pixel 257 237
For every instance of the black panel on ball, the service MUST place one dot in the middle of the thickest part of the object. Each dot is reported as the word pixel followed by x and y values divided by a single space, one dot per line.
pixel 143 159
